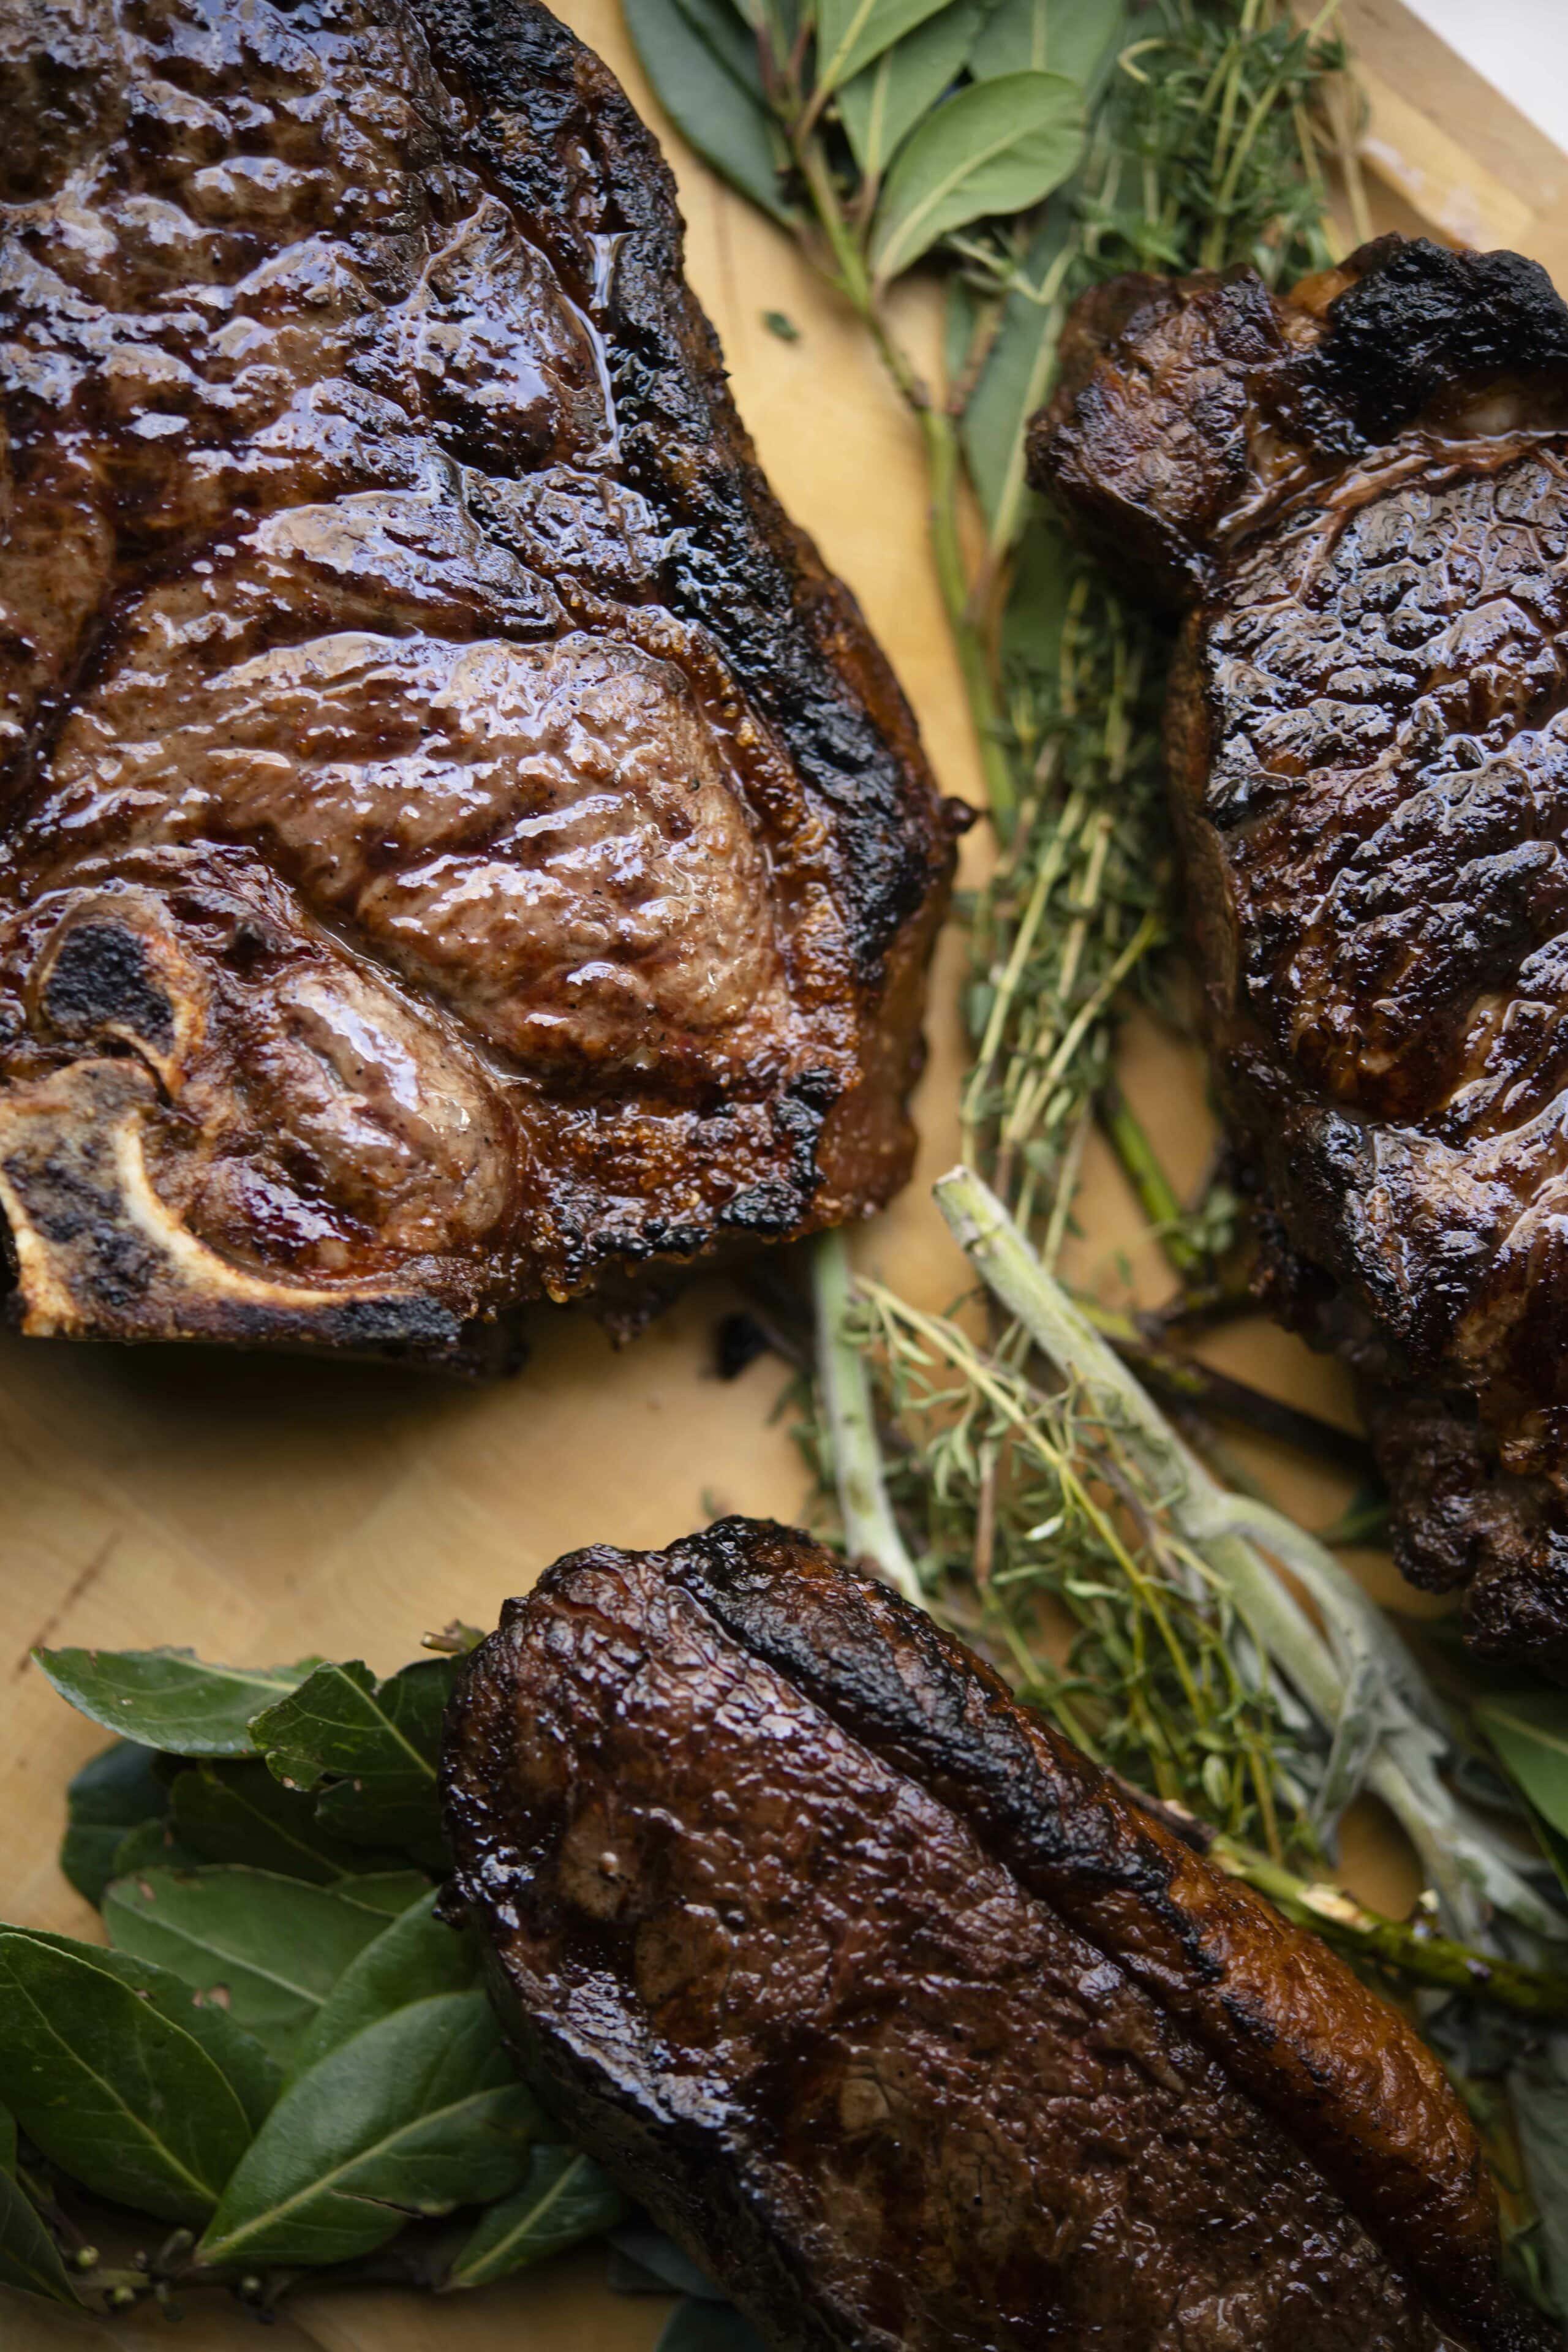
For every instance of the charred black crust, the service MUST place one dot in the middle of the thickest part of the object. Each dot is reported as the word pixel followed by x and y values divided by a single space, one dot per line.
pixel 101 978
pixel 734 562
pixel 1420 316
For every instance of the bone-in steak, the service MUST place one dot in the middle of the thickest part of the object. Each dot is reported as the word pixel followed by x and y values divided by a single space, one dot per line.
pixel 1359 495
pixel 458 845
pixel 903 2019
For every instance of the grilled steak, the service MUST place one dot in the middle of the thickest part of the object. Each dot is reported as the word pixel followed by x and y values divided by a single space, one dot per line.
pixel 1360 496
pixel 902 2020
pixel 459 844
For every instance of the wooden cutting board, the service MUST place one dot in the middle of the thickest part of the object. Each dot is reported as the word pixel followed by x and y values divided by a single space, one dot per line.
pixel 256 1509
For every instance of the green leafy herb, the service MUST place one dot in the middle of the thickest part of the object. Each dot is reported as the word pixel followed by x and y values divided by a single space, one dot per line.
pixel 117 1791
pixel 724 121
pixel 851 33
pixel 997 147
pixel 381 1740
pixel 413 1958
pixel 241 1813
pixel 269 1949
pixel 109 2088
pixel 565 2199
pixel 417 2114
pixel 1528 1728
pixel 882 106
pixel 170 1698
pixel 29 2259
pixel 1075 37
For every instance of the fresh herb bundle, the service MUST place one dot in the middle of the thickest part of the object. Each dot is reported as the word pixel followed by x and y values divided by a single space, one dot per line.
pixel 283 2057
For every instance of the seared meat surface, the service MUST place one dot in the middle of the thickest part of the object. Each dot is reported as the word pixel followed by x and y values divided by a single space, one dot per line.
pixel 903 2019
pixel 458 845
pixel 1360 496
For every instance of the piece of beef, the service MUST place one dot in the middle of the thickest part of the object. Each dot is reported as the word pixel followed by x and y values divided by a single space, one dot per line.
pixel 458 845
pixel 903 2019
pixel 1359 495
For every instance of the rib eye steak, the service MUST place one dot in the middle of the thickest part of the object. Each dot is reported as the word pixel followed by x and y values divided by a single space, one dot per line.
pixel 459 844
pixel 1360 497
pixel 902 2020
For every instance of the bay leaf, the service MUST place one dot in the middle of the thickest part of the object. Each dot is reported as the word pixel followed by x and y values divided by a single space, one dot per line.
pixel 416 1957
pixel 251 2072
pixel 170 1698
pixel 114 1791
pixel 882 106
pixel 997 147
pixel 1075 37
pixel 657 2265
pixel 1528 1728
pixel 565 2199
pixel 729 127
pixel 702 2327
pixel 29 2258
pixel 418 2114
pixel 108 2088
pixel 850 34
pixel 152 1845
pixel 386 1892
pixel 240 1812
pixel 267 1948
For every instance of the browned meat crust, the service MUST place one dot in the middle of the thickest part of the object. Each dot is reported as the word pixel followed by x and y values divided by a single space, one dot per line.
pixel 903 2019
pixel 1359 495
pixel 460 846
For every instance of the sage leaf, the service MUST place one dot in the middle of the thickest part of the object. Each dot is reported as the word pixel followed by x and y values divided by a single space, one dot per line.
pixel 269 1949
pixel 1538 2088
pixel 728 126
pixel 1528 1728
pixel 29 2258
pixel 1015 379
pixel 997 147
pixel 851 33
pixel 1075 37
pixel 565 2199
pixel 416 1957
pixel 108 2088
pixel 251 2072
pixel 170 1698
pixel 383 1739
pixel 698 2325
pixel 418 2114
pixel 882 106
pixel 239 1812
pixel 114 1791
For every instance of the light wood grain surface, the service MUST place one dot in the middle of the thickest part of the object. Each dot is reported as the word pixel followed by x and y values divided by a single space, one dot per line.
pixel 256 1509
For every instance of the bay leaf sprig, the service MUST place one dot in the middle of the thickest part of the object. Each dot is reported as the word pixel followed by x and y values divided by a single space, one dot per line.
pixel 283 2050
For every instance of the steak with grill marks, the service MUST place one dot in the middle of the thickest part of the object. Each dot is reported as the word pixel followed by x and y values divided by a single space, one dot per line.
pixel 458 843
pixel 1359 498
pixel 903 2019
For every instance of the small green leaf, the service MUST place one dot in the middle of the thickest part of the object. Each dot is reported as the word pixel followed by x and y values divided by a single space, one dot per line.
pixel 382 1741
pixel 882 106
pixel 108 2088
pixel 251 2072
pixel 1075 37
pixel 269 1950
pixel 1528 1728
pixel 170 1698
pixel 152 1845
pixel 565 2199
pixel 997 147
pixel 698 2325
pixel 29 2258
pixel 114 1791
pixel 418 2114
pixel 727 124
pixel 1017 377
pixel 239 1812
pixel 413 1958
pixel 850 34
